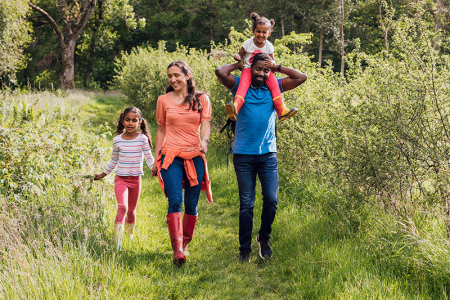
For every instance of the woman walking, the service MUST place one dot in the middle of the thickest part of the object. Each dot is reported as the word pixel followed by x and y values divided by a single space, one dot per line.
pixel 180 151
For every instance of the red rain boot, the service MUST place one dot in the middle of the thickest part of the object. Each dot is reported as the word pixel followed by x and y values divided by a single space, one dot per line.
pixel 189 222
pixel 176 237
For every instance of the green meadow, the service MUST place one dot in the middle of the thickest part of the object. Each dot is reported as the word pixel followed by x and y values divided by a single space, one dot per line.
pixel 56 237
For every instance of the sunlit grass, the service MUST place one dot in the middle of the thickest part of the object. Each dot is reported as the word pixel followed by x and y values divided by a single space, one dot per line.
pixel 324 246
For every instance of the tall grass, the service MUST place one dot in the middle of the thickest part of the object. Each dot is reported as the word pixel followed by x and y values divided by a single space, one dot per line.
pixel 49 205
pixel 326 246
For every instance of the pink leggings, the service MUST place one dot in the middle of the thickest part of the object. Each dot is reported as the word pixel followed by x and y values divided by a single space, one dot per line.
pixel 127 189
pixel 246 81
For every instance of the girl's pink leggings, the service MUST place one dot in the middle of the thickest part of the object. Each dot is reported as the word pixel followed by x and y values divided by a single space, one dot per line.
pixel 127 189
pixel 246 81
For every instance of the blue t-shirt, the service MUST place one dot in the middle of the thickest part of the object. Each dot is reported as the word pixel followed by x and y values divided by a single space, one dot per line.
pixel 255 124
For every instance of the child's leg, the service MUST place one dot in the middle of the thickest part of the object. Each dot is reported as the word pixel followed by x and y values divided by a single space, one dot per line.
pixel 121 191
pixel 282 112
pixel 232 109
pixel 134 190
pixel 244 84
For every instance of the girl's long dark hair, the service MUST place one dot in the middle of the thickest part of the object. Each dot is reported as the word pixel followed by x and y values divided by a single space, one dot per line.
pixel 144 126
pixel 193 96
pixel 257 20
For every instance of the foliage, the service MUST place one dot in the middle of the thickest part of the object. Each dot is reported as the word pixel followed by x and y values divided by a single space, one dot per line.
pixel 46 80
pixel 196 24
pixel 14 35
pixel 294 39
pixel 325 244
pixel 142 75
pixel 45 158
pixel 101 41
pixel 380 134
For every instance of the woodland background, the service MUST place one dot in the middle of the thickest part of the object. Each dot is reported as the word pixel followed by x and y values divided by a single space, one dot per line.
pixel 336 26
pixel 364 207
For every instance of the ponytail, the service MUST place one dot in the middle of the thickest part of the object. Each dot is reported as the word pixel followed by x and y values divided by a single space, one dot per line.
pixel 257 20
pixel 120 127
pixel 144 130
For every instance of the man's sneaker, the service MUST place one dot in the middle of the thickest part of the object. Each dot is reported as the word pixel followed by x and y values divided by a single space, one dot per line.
pixel 244 257
pixel 265 252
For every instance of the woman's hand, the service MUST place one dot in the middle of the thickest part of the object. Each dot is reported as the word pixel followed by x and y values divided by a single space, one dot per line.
pixel 203 145
pixel 154 170
pixel 99 176
pixel 237 57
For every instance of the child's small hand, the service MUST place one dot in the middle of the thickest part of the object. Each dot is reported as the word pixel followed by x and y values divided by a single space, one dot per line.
pixel 237 57
pixel 270 63
pixel 240 65
pixel 99 176
pixel 154 170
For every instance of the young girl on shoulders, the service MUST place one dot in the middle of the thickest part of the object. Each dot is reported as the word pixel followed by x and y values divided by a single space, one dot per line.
pixel 129 147
pixel 261 28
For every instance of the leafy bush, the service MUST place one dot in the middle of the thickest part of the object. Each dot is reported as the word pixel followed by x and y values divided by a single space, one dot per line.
pixel 385 131
pixel 143 78
pixel 45 162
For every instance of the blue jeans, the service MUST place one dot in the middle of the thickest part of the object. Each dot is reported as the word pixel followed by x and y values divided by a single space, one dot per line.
pixel 173 178
pixel 246 168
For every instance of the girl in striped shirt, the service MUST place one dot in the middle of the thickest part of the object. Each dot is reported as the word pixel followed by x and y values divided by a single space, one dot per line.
pixel 129 146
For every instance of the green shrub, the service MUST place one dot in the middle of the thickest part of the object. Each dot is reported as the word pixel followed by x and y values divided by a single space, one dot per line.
pixel 143 78
pixel 45 162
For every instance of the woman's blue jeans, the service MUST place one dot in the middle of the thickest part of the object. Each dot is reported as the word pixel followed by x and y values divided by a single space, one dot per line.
pixel 246 168
pixel 173 178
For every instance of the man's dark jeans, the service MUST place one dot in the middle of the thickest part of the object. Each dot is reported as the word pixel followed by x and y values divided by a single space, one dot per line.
pixel 246 168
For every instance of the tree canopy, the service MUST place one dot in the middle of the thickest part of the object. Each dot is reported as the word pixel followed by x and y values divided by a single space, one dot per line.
pixel 14 35
pixel 337 27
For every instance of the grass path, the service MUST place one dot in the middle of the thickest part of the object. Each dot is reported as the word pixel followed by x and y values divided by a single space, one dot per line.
pixel 312 258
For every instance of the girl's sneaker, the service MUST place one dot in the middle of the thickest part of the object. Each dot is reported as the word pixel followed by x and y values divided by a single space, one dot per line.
pixel 230 109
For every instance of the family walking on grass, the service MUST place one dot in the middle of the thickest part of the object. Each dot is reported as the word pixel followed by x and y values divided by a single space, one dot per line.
pixel 183 115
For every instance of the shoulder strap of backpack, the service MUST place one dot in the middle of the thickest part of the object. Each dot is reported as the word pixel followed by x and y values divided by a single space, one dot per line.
pixel 229 124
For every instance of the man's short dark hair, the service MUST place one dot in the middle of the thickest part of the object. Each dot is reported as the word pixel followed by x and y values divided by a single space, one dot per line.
pixel 260 56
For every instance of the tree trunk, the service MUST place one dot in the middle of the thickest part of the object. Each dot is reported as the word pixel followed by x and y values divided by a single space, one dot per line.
pixel 437 27
pixel 341 32
pixel 320 46
pixel 282 26
pixel 68 40
pixel 437 15
pixel 67 76
pixel 98 21
pixel 383 26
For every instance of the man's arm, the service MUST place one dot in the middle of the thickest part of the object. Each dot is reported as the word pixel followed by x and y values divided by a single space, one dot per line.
pixel 294 79
pixel 223 73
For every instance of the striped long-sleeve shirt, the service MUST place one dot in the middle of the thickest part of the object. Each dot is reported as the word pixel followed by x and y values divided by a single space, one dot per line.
pixel 127 156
